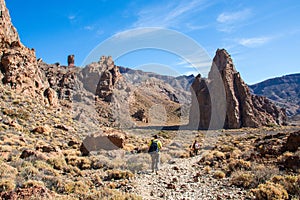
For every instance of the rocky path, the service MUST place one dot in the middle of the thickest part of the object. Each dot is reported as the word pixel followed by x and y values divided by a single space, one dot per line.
pixel 184 179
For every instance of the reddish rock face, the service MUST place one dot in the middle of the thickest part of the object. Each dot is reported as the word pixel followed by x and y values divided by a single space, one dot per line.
pixel 18 64
pixel 71 60
pixel 225 94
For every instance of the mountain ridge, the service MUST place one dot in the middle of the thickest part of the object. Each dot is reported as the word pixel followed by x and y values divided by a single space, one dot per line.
pixel 284 90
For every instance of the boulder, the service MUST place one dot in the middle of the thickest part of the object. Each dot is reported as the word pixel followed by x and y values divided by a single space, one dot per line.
pixel 107 140
pixel 27 153
pixel 51 97
pixel 293 142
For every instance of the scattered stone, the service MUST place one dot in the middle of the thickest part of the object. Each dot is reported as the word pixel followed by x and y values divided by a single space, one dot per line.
pixel 293 142
pixel 64 127
pixel 171 186
pixel 41 130
pixel 27 153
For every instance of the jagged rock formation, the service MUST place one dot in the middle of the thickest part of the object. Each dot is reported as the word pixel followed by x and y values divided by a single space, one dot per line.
pixel 241 109
pixel 18 63
pixel 108 79
pixel 71 60
pixel 63 80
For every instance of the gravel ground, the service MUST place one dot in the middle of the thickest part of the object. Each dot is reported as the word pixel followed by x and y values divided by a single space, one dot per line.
pixel 184 179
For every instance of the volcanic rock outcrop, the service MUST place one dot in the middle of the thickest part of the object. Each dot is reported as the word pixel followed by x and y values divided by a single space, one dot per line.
pixel 71 60
pixel 108 80
pixel 18 63
pixel 224 100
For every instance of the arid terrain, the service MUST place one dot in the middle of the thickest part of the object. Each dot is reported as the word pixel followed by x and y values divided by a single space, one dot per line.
pixel 69 132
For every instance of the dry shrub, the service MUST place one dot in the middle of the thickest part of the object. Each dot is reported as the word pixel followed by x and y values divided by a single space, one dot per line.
pixel 219 174
pixel 71 152
pixel 239 164
pixel 58 162
pixel 211 157
pixel 263 173
pixel 218 155
pixel 68 187
pixel 7 185
pixel 81 187
pixel 100 161
pixel 96 180
pixel 7 171
pixel 45 168
pixel 227 148
pixel 80 162
pixel 118 174
pixel 33 183
pixel 29 172
pixel 207 169
pixel 242 179
pixel 290 183
pixel 270 191
pixel 164 157
pixel 236 154
pixel 179 153
pixel 138 162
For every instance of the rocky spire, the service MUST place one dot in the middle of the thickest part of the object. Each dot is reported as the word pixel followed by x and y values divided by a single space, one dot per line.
pixel 8 33
pixel 71 60
pixel 18 64
pixel 225 91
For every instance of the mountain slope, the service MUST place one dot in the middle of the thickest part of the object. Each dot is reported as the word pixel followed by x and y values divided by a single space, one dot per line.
pixel 285 91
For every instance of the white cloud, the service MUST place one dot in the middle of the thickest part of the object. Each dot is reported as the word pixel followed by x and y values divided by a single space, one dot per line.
pixel 230 21
pixel 169 15
pixel 130 34
pixel 89 28
pixel 254 42
pixel 71 17
pixel 232 17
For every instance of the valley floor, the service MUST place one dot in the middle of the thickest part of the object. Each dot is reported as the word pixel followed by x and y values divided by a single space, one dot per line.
pixel 184 179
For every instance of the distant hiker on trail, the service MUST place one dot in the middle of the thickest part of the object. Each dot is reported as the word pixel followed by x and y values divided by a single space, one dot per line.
pixel 195 147
pixel 154 148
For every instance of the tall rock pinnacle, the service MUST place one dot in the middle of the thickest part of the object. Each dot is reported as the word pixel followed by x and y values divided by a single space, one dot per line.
pixel 8 33
pixel 225 94
pixel 18 64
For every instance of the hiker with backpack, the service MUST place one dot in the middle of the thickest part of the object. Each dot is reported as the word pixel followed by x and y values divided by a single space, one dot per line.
pixel 196 147
pixel 154 149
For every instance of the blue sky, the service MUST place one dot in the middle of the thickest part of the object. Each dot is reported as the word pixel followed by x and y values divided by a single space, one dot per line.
pixel 263 37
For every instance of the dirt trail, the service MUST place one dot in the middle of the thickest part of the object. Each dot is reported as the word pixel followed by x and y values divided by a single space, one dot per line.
pixel 184 179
